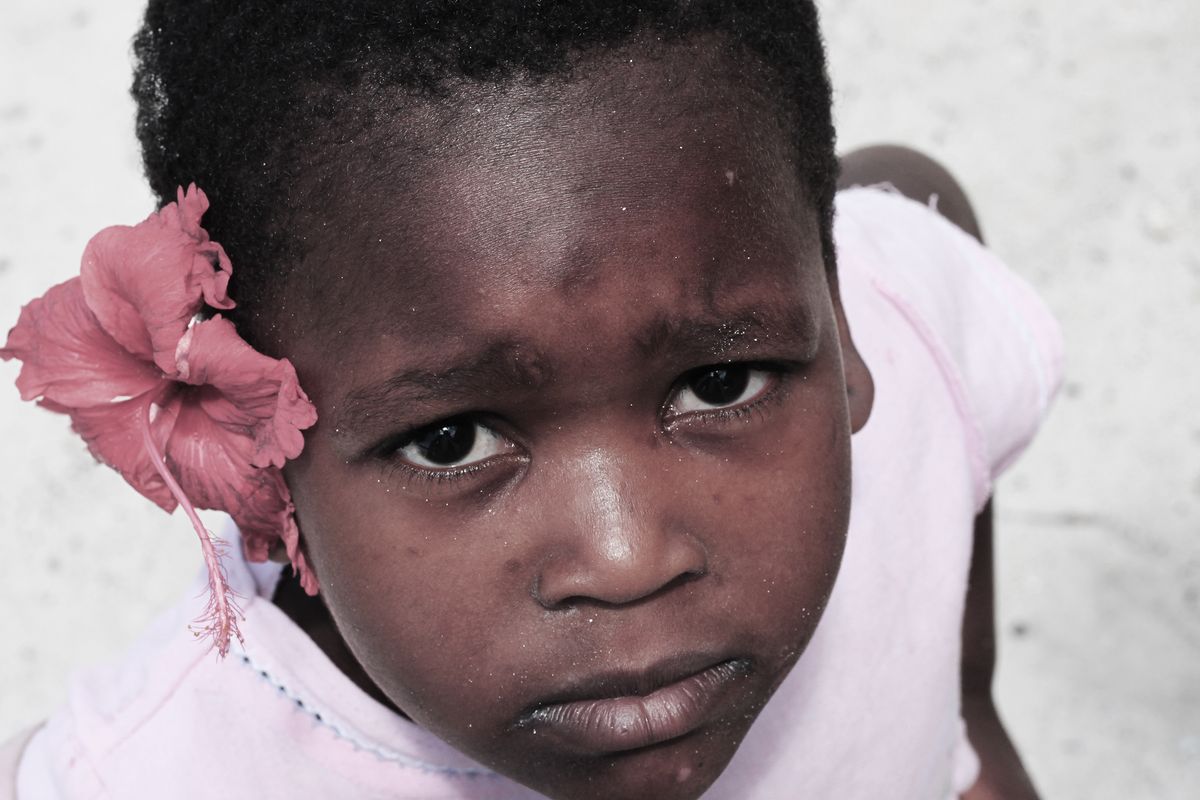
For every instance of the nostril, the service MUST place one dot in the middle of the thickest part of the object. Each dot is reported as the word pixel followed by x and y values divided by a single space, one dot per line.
pixel 616 562
pixel 586 597
pixel 681 579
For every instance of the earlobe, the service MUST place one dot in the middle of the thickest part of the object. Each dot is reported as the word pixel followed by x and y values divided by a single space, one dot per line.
pixel 860 385
pixel 278 553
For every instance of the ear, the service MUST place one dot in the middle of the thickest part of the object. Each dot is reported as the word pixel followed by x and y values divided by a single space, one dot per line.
pixel 860 386
pixel 278 553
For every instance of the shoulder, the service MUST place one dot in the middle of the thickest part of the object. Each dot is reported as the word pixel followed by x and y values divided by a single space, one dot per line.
pixel 274 719
pixel 10 757
pixel 165 687
pixel 110 709
pixel 997 346
pixel 913 174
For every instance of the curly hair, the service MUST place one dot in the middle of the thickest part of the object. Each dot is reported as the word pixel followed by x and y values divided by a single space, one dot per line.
pixel 239 95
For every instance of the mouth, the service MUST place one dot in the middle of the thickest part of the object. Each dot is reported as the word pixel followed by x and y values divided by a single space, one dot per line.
pixel 622 711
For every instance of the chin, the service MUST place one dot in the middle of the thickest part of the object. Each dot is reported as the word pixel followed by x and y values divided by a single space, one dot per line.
pixel 678 770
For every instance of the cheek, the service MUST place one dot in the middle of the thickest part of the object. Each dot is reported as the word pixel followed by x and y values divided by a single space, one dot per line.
pixel 778 530
pixel 402 583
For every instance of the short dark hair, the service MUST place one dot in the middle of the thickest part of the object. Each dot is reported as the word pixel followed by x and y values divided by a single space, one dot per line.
pixel 230 92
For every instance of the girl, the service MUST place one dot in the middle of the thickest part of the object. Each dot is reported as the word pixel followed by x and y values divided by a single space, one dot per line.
pixel 568 487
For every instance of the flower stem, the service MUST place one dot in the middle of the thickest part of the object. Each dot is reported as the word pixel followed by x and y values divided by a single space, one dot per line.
pixel 219 619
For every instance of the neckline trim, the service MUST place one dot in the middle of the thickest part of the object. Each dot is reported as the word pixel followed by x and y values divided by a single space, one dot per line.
pixel 342 732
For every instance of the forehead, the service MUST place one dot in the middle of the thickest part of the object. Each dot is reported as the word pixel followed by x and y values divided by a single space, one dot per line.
pixel 642 166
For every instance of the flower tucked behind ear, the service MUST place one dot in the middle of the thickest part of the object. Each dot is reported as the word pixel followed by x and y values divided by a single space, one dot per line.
pixel 183 408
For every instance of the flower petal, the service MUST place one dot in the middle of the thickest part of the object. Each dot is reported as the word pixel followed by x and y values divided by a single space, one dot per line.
pixel 113 435
pixel 209 453
pixel 186 212
pixel 209 450
pixel 145 283
pixel 268 516
pixel 263 393
pixel 68 359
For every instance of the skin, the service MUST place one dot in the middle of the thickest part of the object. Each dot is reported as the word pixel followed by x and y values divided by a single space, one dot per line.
pixel 1002 775
pixel 580 256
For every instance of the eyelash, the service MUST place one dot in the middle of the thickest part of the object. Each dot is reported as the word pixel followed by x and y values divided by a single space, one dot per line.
pixel 389 454
pixel 389 451
pixel 395 464
pixel 778 373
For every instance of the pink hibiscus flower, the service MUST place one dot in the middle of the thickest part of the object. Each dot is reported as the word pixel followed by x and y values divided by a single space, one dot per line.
pixel 182 407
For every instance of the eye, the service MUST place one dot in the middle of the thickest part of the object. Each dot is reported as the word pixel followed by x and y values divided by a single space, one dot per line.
pixel 720 386
pixel 451 444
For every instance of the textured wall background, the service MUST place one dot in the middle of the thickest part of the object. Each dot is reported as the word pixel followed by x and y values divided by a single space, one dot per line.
pixel 1075 127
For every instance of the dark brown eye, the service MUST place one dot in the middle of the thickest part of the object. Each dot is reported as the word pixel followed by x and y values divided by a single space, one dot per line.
pixel 445 443
pixel 720 386
pixel 452 442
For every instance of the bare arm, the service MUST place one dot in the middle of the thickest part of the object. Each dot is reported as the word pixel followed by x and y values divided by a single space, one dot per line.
pixel 1003 776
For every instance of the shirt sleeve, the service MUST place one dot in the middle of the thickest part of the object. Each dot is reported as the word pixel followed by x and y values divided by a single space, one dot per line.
pixel 995 342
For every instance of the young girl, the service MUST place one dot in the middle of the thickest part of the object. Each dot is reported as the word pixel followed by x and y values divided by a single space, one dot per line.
pixel 570 498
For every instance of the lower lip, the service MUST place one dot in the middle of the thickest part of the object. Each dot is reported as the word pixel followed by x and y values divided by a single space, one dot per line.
pixel 614 724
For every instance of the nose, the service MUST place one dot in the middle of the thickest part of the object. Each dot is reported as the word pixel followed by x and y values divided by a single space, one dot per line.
pixel 618 541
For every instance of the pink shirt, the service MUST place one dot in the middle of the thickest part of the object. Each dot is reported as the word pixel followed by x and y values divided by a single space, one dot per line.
pixel 965 360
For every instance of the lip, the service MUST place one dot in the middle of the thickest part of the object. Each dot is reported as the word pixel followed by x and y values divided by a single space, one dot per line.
pixel 629 710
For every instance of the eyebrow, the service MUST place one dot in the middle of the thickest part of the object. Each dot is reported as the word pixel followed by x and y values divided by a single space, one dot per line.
pixel 723 335
pixel 514 363
pixel 507 364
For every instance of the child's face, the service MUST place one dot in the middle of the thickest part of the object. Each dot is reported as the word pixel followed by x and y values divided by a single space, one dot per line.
pixel 584 435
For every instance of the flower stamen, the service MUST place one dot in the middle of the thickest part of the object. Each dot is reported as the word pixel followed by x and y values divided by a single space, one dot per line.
pixel 219 620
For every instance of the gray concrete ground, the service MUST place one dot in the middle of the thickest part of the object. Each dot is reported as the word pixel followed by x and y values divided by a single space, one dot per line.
pixel 1076 128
